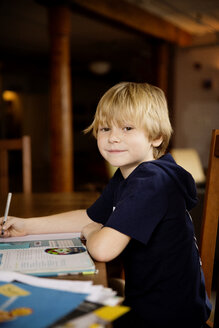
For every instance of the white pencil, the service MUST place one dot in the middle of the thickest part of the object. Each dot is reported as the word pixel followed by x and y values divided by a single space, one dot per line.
pixel 6 210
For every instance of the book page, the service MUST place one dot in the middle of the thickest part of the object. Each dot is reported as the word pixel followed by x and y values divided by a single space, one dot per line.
pixel 46 257
pixel 42 237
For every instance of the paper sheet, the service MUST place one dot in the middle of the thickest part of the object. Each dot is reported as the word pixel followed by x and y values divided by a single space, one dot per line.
pixel 23 305
pixel 96 293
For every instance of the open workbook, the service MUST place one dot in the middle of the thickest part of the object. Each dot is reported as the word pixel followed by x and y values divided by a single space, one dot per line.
pixel 45 255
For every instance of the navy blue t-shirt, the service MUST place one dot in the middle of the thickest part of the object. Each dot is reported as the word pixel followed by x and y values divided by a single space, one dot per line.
pixel 163 279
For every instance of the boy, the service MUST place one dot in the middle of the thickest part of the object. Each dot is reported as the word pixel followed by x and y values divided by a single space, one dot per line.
pixel 142 213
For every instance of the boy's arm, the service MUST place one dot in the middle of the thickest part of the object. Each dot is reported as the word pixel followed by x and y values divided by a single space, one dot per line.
pixel 104 244
pixel 72 221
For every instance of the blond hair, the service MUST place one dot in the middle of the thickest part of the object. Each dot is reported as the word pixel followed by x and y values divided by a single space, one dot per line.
pixel 140 103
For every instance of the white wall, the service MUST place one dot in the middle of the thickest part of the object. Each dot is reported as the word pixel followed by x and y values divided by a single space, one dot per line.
pixel 196 108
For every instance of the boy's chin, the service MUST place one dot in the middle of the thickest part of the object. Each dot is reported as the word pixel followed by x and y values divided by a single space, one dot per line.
pixel 114 164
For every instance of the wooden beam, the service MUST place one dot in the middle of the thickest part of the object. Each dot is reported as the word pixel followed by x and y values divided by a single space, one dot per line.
pixel 136 18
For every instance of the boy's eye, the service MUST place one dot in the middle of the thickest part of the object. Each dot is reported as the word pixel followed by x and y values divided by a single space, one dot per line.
pixel 104 129
pixel 127 128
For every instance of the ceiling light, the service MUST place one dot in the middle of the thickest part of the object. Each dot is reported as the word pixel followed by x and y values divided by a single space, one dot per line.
pixel 100 67
pixel 8 95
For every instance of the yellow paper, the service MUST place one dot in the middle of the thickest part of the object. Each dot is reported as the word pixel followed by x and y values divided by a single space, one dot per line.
pixel 95 325
pixel 11 290
pixel 110 313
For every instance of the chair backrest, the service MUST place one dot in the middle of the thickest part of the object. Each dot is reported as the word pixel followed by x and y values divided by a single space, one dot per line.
pixel 23 144
pixel 210 213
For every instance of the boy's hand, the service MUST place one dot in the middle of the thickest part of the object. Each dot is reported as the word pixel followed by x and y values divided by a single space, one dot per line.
pixel 13 227
pixel 90 229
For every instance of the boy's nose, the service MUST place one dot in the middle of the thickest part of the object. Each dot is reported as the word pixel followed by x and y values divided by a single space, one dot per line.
pixel 114 136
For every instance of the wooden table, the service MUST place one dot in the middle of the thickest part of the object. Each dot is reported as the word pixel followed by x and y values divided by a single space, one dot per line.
pixel 40 204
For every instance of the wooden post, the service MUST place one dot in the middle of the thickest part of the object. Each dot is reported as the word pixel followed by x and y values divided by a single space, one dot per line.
pixel 60 100
pixel 163 66
pixel 27 164
pixel 165 62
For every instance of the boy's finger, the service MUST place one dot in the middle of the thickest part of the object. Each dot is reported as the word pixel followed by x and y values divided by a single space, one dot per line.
pixel 4 234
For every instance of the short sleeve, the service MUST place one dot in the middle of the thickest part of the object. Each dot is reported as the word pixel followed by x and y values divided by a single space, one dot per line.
pixel 102 208
pixel 140 208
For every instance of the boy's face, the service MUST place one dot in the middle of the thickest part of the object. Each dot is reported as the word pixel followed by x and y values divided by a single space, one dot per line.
pixel 124 146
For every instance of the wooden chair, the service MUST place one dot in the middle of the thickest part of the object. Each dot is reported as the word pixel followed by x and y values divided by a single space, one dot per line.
pixel 23 144
pixel 210 216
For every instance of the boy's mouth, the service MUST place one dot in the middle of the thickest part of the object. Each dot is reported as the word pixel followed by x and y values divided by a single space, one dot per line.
pixel 111 151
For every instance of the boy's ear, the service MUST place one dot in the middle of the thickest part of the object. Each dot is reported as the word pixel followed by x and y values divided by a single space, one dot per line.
pixel 157 142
